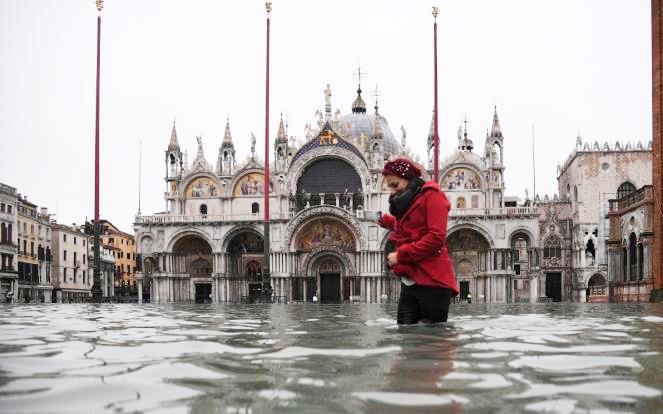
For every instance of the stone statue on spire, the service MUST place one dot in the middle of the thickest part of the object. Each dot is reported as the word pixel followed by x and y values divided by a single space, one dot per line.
pixel 328 96
pixel 253 145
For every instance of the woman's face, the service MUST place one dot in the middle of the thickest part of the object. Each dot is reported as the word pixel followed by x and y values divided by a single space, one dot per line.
pixel 395 183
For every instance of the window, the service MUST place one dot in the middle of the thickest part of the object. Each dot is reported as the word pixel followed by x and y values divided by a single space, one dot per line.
pixel 25 228
pixel 25 247
pixel 75 264
pixel 9 208
pixel 74 239
pixel 64 237
pixel 32 229
pixel 83 276
pixel 111 240
pixel 552 248
pixel 2 207
pixel 128 256
pixel 203 209
pixel 255 208
pixel 625 189
pixel 475 201
pixel 83 242
pixel 64 257
pixel 83 259
pixel 64 274
pixel 32 248
pixel 121 241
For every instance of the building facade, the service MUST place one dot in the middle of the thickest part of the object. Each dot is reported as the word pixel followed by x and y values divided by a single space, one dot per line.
pixel 591 176
pixel 34 252
pixel 8 244
pixel 123 247
pixel 209 243
pixel 72 277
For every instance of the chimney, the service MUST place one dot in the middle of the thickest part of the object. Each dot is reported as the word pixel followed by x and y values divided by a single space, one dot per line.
pixel 44 211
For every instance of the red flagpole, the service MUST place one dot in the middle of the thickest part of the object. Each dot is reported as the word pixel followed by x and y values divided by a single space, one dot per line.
pixel 436 157
pixel 96 278
pixel 266 240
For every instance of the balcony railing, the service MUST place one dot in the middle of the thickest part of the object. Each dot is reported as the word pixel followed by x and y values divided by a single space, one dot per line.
pixel 178 218
pixel 502 212
pixel 645 193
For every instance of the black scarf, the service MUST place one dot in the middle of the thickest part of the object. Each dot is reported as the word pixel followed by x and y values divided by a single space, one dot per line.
pixel 399 203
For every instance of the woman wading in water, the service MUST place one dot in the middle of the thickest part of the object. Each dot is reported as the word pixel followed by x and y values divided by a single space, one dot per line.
pixel 418 223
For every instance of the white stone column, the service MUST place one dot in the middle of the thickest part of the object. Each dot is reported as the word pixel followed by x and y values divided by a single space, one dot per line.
pixel 140 290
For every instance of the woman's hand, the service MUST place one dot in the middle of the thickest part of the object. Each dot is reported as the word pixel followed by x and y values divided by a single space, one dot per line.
pixel 392 259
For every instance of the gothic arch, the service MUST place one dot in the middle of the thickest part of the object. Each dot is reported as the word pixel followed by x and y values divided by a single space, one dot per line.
pixel 527 232
pixel 626 188
pixel 184 185
pixel 243 173
pixel 471 226
pixel 320 254
pixel 326 211
pixel 297 168
pixel 189 232
pixel 247 228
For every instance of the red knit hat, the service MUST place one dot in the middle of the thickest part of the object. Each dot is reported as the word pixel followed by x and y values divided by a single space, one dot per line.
pixel 401 167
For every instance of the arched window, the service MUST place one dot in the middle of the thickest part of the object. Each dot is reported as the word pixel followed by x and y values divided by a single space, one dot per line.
pixel 172 159
pixel 255 208
pixel 10 237
pixel 203 209
pixel 460 203
pixel 575 193
pixel 4 232
pixel 552 247
pixel 568 192
pixel 632 256
pixel 625 189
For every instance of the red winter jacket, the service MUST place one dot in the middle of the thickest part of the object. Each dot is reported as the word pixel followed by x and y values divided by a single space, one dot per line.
pixel 421 240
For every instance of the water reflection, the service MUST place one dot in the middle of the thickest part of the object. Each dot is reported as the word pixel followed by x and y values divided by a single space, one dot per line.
pixel 559 358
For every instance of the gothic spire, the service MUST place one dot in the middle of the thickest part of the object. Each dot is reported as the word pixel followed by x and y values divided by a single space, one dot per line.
pixel 227 136
pixel 496 130
pixel 173 145
pixel 281 136
pixel 431 131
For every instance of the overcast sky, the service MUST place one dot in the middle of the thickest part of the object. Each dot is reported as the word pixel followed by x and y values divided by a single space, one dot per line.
pixel 561 65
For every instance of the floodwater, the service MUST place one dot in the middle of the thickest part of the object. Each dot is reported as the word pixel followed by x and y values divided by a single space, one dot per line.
pixel 310 358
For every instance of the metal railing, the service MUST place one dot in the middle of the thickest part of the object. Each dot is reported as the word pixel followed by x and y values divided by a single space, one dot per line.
pixel 502 211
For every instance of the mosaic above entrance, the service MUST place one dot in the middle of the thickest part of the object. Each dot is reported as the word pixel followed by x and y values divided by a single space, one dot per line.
pixel 324 232
pixel 201 188
pixel 461 179
pixel 251 184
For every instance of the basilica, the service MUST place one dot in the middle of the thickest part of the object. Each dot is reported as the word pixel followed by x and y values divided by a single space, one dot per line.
pixel 209 246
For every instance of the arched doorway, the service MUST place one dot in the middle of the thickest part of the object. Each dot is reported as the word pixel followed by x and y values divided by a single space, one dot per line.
pixel 194 257
pixel 325 245
pixel 597 289
pixel 244 266
pixel 329 270
pixel 467 249
pixel 149 267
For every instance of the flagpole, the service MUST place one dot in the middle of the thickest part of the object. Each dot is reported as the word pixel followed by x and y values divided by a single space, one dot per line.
pixel 266 238
pixel 436 150
pixel 96 280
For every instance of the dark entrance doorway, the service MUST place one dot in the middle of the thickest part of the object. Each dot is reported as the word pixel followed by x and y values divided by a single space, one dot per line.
pixel 203 292
pixel 554 286
pixel 464 289
pixel 330 287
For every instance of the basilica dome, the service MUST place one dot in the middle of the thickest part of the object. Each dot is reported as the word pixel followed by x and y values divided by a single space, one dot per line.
pixel 358 123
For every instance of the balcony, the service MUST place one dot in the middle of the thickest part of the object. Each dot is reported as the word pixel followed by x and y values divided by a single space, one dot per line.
pixel 209 218
pixel 646 193
pixel 504 212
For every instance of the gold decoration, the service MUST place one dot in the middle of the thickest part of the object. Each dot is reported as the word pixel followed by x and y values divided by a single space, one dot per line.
pixel 328 137
pixel 435 11
pixel 268 6
pixel 100 4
